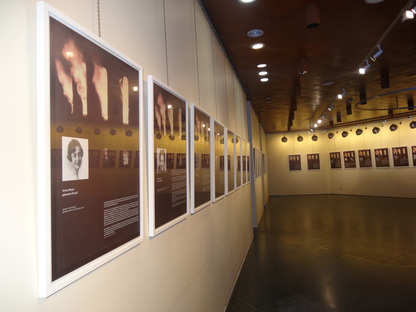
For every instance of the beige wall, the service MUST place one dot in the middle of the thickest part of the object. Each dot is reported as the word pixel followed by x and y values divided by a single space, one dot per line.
pixel 395 182
pixel 190 267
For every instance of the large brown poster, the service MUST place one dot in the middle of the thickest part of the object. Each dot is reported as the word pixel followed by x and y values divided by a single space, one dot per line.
pixel 93 129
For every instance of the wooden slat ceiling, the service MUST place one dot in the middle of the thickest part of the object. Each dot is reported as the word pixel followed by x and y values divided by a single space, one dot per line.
pixel 348 33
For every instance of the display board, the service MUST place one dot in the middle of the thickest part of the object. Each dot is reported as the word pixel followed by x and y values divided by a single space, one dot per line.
pixel 231 161
pixel 349 159
pixel 381 156
pixel 414 155
pixel 89 111
pixel 364 158
pixel 168 157
pixel 400 156
pixel 239 161
pixel 335 160
pixel 313 161
pixel 200 147
pixel 217 160
pixel 295 162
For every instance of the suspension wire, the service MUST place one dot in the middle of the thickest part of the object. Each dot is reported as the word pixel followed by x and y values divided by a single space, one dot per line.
pixel 99 18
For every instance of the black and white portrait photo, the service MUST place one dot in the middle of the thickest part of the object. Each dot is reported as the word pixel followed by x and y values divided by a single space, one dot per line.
pixel 74 159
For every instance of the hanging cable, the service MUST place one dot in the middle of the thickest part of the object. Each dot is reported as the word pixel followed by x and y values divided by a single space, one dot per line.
pixel 99 18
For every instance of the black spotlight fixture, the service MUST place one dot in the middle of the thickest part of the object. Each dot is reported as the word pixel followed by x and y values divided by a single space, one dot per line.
pixel 300 138
pixel 129 133
pixel 376 130
pixel 413 125
pixel 78 129
pixel 59 129
pixel 344 134
pixel 284 139
pixel 113 132
pixel 315 138
pixel 358 131
pixel 394 127
pixel 330 135
pixel 97 131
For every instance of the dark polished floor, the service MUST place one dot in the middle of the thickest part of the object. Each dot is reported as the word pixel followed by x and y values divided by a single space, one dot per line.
pixel 331 253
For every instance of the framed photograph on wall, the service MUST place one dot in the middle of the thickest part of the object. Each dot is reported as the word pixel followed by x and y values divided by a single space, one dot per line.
pixel 381 156
pixel 200 147
pixel 230 165
pixel 335 160
pixel 295 162
pixel 414 155
pixel 364 158
pixel 400 156
pixel 217 160
pixel 349 159
pixel 239 162
pixel 313 161
pixel 167 138
pixel 248 162
pixel 89 104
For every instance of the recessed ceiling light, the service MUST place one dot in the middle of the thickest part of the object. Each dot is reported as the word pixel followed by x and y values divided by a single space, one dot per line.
pixel 247 1
pixel 328 83
pixel 264 65
pixel 257 46
pixel 263 73
pixel 264 79
pixel 255 33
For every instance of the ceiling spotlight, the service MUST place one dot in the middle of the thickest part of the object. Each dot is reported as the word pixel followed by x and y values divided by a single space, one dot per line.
pixel 315 125
pixel 300 138
pixel 409 14
pixel 302 66
pixel 264 79
pixel 331 108
pixel 330 135
pixel 383 121
pixel 284 139
pixel 342 94
pixel 413 125
pixel 315 138
pixel 256 46
pixel 344 134
pixel 263 73
pixel 261 66
pixel 377 54
pixel 394 127
pixel 255 33
pixel 247 1
pixel 319 121
pixel 358 131
pixel 362 70
pixel 376 130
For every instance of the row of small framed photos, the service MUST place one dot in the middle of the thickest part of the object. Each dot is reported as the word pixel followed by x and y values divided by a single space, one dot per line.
pixel 365 158
pixel 91 182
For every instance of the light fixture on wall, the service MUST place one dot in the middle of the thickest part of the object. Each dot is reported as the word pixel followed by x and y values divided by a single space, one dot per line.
pixel 78 129
pixel 358 131
pixel 412 125
pixel 300 138
pixel 394 127
pixel 344 134
pixel 59 129
pixel 314 138
pixel 376 130
pixel 284 139
pixel 330 135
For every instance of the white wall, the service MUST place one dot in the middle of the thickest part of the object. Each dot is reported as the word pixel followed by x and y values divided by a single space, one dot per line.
pixel 190 267
pixel 392 181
